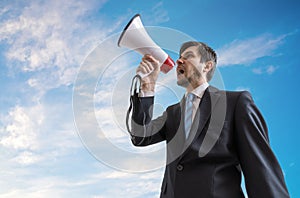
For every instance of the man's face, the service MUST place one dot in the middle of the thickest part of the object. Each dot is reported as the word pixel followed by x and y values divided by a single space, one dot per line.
pixel 189 69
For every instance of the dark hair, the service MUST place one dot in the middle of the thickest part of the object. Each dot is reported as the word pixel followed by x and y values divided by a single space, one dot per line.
pixel 206 53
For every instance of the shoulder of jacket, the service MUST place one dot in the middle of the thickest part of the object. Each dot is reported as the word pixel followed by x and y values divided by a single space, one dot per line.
pixel 235 95
pixel 228 92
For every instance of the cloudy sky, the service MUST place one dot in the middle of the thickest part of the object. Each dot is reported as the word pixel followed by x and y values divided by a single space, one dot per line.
pixel 65 87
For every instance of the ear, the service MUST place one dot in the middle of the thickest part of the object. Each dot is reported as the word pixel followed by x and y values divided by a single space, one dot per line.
pixel 208 66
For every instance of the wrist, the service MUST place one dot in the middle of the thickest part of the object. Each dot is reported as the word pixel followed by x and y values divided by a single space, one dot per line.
pixel 148 86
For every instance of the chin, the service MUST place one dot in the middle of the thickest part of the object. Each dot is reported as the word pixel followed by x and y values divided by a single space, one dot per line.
pixel 183 82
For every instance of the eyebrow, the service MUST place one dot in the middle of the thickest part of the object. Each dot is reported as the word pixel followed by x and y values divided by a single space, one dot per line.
pixel 187 53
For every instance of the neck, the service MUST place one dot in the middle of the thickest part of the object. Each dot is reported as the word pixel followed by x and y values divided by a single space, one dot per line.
pixel 194 85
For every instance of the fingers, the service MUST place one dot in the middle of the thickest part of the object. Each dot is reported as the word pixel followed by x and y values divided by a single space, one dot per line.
pixel 149 58
pixel 148 64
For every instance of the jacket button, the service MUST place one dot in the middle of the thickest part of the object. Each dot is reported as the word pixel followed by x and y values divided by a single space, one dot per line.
pixel 179 167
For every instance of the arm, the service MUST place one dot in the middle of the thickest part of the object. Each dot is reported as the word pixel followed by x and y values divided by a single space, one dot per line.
pixel 263 175
pixel 145 131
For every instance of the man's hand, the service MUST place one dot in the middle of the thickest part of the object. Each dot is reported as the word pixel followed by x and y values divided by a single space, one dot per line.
pixel 148 64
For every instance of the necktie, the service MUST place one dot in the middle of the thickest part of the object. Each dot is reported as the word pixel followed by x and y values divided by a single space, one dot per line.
pixel 188 114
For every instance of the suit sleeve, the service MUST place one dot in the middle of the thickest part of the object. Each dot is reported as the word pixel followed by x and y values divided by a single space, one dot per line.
pixel 146 131
pixel 263 175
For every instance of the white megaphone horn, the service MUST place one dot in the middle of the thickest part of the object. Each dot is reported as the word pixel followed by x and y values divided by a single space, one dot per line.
pixel 135 37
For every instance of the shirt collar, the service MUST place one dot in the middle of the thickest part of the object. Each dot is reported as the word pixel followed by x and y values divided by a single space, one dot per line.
pixel 199 91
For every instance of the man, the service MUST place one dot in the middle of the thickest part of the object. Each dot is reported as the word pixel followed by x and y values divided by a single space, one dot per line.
pixel 211 138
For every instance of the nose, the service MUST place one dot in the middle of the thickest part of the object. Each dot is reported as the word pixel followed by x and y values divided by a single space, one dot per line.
pixel 179 61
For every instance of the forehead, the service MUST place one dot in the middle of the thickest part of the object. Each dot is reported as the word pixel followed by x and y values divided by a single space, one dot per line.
pixel 191 49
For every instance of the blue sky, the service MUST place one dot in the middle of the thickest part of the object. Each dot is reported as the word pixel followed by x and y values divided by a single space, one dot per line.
pixel 57 83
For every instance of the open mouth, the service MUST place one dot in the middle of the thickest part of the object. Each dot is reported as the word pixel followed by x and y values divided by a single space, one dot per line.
pixel 180 70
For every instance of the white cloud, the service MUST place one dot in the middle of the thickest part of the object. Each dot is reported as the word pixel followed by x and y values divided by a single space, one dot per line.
pixel 40 150
pixel 155 15
pixel 27 158
pixel 265 70
pixel 51 38
pixel 242 89
pixel 257 70
pixel 292 164
pixel 271 69
pixel 106 183
pixel 22 126
pixel 37 142
pixel 244 52
pixel 159 14
pixel 134 185
pixel 35 134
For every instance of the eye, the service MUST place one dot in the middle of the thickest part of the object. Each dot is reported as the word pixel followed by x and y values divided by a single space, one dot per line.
pixel 188 56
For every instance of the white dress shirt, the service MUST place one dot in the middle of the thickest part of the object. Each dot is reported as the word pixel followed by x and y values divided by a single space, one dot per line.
pixel 198 92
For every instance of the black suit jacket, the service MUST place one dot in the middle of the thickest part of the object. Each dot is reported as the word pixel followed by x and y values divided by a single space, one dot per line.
pixel 228 135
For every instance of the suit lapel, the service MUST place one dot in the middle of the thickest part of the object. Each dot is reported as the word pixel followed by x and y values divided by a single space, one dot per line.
pixel 217 118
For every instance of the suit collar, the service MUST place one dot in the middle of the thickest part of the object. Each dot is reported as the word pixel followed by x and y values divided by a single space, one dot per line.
pixel 199 91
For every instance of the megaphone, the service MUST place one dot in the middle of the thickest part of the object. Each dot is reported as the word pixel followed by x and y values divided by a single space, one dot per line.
pixel 135 37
